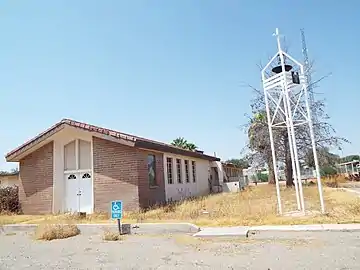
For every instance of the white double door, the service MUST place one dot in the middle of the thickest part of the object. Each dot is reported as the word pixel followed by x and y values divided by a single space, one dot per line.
pixel 79 192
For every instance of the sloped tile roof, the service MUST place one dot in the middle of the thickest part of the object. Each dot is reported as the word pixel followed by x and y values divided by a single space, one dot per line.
pixel 139 141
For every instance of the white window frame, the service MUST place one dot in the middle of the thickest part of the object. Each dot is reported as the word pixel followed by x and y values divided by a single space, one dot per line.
pixel 179 179
pixel 193 170
pixel 77 163
pixel 187 171
pixel 171 165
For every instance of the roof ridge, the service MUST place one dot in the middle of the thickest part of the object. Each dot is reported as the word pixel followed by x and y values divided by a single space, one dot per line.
pixel 68 121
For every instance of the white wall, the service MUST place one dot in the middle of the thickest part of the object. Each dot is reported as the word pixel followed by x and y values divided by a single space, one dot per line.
pixel 230 187
pixel 62 138
pixel 9 181
pixel 177 191
pixel 220 169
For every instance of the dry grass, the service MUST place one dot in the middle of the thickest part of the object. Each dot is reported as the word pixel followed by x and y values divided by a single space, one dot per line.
pixel 334 181
pixel 56 231
pixel 257 206
pixel 254 206
pixel 112 236
pixel 53 219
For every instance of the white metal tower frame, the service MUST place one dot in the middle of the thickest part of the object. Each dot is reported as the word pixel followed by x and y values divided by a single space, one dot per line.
pixel 285 102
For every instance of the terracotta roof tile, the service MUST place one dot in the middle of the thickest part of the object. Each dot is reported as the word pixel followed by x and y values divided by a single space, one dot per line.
pixel 139 141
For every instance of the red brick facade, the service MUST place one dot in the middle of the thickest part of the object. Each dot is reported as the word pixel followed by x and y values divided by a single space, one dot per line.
pixel 149 196
pixel 36 181
pixel 120 172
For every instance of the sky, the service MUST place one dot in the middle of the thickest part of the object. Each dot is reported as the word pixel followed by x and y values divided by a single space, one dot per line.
pixel 162 69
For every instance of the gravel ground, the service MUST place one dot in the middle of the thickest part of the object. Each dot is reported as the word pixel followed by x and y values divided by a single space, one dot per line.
pixel 275 251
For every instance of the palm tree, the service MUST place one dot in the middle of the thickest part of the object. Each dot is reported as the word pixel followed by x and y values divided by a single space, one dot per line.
pixel 191 147
pixel 184 144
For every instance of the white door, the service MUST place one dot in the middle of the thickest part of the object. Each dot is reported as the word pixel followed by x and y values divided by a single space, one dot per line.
pixel 72 188
pixel 79 192
pixel 85 190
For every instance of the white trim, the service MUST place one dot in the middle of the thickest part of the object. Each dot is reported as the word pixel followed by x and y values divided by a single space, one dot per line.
pixel 92 173
pixel 61 140
pixel 77 171
pixel 165 172
pixel 54 179
pixel 77 154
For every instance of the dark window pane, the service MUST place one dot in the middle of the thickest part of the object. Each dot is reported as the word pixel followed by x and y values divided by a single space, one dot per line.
pixel 178 170
pixel 151 170
pixel 194 171
pixel 169 170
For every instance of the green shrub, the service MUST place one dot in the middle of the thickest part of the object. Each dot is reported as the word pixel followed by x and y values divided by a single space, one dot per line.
pixel 9 200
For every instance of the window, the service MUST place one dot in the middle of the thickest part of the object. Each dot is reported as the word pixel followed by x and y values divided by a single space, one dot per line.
pixel 84 155
pixel 77 155
pixel 70 156
pixel 193 165
pixel 86 175
pixel 178 170
pixel 169 165
pixel 71 177
pixel 187 174
pixel 151 170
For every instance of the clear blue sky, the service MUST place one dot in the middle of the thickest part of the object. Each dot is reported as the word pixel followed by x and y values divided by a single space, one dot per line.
pixel 163 69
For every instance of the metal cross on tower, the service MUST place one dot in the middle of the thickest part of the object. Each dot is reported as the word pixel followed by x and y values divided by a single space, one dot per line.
pixel 287 106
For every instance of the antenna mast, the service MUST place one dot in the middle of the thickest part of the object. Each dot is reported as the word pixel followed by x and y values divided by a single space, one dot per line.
pixel 308 74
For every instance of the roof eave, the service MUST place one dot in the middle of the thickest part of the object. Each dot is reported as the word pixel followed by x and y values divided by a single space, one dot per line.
pixel 15 155
pixel 174 150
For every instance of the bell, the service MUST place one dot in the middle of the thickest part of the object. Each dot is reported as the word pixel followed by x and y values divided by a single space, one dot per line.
pixel 278 69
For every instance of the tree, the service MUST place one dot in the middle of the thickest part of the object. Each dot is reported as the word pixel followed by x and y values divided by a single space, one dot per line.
pixel 325 158
pixel 349 158
pixel 184 144
pixel 12 171
pixel 15 170
pixel 258 135
pixel 259 139
pixel 240 163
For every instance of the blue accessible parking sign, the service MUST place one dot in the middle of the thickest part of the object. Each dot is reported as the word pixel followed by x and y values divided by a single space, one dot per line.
pixel 116 209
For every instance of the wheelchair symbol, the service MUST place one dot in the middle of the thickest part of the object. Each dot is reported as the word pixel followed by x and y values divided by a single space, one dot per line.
pixel 116 207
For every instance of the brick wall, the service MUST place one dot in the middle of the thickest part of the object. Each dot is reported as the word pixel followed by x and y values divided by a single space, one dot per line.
pixel 115 174
pixel 36 181
pixel 120 173
pixel 151 195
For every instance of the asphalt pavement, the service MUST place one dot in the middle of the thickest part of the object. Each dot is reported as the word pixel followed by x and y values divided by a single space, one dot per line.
pixel 262 251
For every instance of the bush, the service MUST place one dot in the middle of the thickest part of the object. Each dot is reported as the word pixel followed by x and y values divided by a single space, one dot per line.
pixel 9 200
pixel 112 236
pixel 328 171
pixel 57 231
pixel 262 177
pixel 333 181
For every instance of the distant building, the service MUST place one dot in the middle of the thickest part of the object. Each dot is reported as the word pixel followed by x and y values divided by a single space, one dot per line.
pixel 9 179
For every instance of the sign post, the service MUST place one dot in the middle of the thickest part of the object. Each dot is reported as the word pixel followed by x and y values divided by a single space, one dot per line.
pixel 116 213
